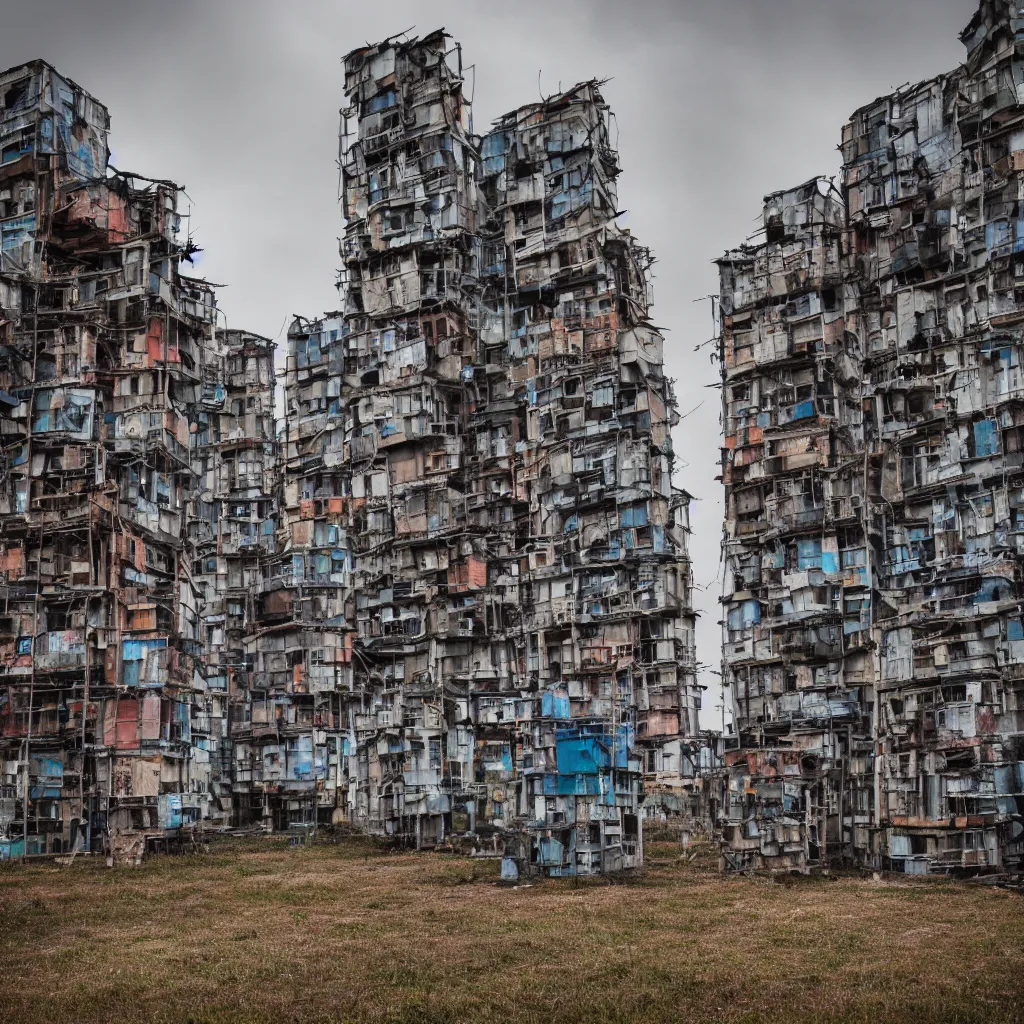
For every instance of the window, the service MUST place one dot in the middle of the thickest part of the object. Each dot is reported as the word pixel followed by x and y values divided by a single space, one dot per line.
pixel 382 101
pixel 380 181
pixel 307 351
pixel 808 554
pixel 16 95
pixel 984 439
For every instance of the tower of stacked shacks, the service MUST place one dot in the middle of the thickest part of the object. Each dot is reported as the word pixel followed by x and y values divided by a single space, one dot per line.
pixel 797 640
pixel 106 724
pixel 234 528
pixel 297 753
pixel 481 621
pixel 419 588
pixel 447 596
pixel 574 430
pixel 874 466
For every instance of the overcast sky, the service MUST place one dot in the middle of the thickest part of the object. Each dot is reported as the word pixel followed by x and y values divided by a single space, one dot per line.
pixel 718 103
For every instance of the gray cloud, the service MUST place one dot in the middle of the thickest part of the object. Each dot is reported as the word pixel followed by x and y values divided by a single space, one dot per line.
pixel 718 102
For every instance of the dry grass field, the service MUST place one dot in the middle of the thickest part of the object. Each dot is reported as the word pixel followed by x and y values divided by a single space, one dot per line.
pixel 260 932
